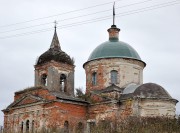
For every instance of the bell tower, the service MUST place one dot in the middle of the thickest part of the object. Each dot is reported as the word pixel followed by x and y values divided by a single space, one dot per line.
pixel 55 69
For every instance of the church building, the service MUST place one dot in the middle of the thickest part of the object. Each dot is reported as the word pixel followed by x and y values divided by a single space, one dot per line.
pixel 114 91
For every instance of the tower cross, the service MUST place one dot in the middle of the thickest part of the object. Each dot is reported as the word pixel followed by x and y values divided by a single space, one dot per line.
pixel 55 24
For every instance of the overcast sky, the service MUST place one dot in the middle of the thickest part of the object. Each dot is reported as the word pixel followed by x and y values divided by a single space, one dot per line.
pixel 155 34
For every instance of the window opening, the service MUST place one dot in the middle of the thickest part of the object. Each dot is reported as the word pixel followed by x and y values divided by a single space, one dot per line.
pixel 27 126
pixel 33 126
pixel 63 83
pixel 44 79
pixel 22 127
pixel 66 127
pixel 94 78
pixel 114 77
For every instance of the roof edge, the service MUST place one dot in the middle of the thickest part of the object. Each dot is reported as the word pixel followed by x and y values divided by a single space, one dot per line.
pixel 113 57
pixel 147 98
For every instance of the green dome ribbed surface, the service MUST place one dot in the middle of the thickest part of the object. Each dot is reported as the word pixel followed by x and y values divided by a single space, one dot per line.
pixel 114 49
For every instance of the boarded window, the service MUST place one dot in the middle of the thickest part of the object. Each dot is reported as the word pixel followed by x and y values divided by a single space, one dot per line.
pixel 136 78
pixel 114 76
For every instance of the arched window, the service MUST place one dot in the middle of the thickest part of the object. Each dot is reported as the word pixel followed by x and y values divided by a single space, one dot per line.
pixel 63 83
pixel 33 126
pixel 44 79
pixel 94 78
pixel 114 77
pixel 22 127
pixel 66 127
pixel 27 126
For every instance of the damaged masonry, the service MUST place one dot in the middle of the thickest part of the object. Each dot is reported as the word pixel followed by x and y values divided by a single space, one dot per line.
pixel 114 91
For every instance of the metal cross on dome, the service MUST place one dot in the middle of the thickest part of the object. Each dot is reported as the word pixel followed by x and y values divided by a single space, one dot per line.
pixel 55 24
pixel 114 14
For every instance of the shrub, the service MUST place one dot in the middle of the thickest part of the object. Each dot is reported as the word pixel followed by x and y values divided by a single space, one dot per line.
pixel 139 125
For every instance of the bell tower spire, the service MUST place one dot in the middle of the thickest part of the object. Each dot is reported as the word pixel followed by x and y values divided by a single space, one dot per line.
pixel 55 41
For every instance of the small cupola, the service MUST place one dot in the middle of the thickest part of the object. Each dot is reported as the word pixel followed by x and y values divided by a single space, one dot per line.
pixel 55 53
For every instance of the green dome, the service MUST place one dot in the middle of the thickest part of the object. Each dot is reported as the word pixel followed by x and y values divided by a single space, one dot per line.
pixel 114 49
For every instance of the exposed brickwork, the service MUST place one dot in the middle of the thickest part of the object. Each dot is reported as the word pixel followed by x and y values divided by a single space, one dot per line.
pixel 53 70
pixel 129 71
pixel 36 91
pixel 48 115
pixel 111 110
pixel 51 107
